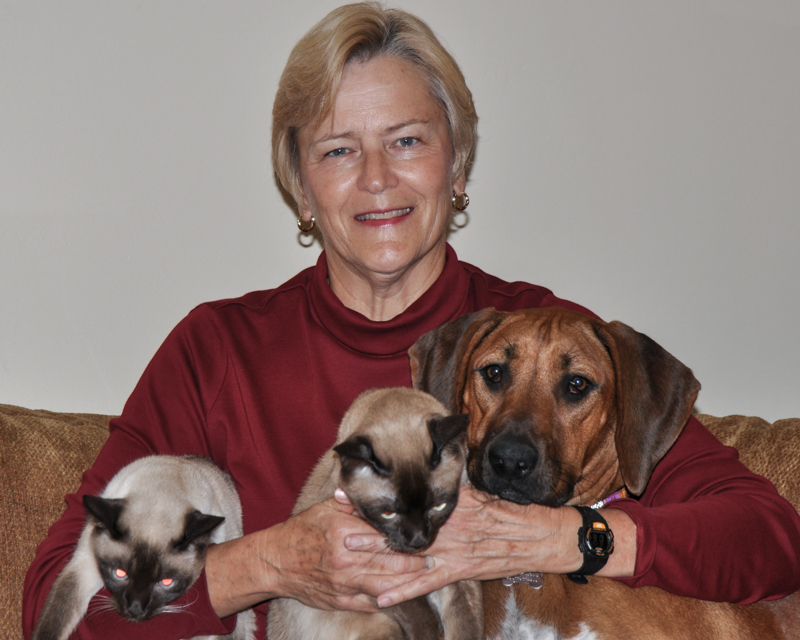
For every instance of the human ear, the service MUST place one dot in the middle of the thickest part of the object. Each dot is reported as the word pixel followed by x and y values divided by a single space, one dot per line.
pixel 460 183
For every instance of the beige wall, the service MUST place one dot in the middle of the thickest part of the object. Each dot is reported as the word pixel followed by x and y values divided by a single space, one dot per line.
pixel 642 158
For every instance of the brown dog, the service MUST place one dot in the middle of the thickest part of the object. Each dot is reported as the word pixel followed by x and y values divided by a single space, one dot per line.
pixel 564 409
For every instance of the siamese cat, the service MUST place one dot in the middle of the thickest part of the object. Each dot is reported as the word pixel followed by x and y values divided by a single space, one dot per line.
pixel 400 458
pixel 145 539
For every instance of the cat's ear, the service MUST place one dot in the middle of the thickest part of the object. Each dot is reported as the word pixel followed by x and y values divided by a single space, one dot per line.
pixel 356 452
pixel 197 525
pixel 445 429
pixel 106 512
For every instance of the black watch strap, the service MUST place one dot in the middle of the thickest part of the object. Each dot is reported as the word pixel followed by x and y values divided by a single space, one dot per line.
pixel 596 542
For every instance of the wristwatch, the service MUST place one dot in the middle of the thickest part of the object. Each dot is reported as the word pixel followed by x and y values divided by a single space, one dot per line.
pixel 596 542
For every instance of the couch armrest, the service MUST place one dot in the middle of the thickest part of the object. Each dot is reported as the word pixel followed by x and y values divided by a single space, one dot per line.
pixel 42 458
pixel 770 450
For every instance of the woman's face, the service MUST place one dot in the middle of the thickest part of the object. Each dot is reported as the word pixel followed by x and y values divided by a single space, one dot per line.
pixel 377 175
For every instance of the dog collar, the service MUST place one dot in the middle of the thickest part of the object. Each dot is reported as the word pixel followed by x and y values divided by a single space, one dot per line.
pixel 534 578
pixel 617 495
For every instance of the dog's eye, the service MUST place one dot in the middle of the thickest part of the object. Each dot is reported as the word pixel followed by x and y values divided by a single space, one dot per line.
pixel 493 374
pixel 388 515
pixel 578 385
pixel 440 507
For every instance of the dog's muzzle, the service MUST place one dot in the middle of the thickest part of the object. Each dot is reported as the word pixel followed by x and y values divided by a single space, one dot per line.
pixel 512 467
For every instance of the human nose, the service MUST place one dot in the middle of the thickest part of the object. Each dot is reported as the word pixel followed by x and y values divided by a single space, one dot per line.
pixel 377 173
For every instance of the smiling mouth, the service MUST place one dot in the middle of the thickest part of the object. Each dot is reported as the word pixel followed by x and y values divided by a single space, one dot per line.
pixel 386 215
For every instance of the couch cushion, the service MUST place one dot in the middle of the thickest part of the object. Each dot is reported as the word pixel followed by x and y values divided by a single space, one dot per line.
pixel 42 458
pixel 771 450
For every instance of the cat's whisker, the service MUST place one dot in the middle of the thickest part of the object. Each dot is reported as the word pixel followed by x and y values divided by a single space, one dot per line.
pixel 192 597
pixel 375 556
pixel 100 604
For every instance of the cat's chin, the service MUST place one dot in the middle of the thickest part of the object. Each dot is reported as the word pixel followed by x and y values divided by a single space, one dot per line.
pixel 401 547
pixel 137 618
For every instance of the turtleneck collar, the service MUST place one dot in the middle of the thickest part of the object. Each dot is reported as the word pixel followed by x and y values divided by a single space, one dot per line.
pixel 443 301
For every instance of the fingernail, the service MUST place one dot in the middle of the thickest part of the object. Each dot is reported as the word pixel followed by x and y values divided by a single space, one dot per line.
pixel 384 602
pixel 353 542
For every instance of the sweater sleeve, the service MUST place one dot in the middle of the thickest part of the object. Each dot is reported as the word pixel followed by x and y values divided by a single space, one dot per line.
pixel 165 414
pixel 709 528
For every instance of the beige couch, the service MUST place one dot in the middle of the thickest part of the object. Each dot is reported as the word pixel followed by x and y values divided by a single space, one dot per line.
pixel 43 454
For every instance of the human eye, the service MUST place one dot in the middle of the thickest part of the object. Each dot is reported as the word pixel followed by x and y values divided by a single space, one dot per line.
pixel 407 141
pixel 337 153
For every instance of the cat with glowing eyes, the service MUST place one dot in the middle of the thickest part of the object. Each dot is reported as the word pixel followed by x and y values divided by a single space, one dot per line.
pixel 145 539
pixel 400 458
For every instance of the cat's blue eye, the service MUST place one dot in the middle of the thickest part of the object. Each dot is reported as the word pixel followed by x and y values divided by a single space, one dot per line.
pixel 120 574
pixel 388 515
pixel 440 507
pixel 167 583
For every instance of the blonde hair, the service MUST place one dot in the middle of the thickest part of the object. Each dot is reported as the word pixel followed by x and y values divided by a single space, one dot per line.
pixel 363 31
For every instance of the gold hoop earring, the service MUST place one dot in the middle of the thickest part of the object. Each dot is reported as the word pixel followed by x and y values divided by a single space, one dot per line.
pixel 458 221
pixel 306 226
pixel 460 201
pixel 305 240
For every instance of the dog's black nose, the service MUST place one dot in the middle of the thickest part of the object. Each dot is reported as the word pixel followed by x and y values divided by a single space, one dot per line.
pixel 512 457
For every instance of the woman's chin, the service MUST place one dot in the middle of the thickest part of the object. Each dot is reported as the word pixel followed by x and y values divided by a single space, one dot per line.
pixel 388 261
pixel 397 259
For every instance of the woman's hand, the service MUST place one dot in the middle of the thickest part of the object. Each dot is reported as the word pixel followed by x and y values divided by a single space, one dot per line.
pixel 486 538
pixel 305 558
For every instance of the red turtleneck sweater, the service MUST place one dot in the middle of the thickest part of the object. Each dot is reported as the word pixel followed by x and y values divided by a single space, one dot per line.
pixel 260 383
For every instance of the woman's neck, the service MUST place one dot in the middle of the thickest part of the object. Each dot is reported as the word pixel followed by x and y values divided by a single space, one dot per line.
pixel 382 296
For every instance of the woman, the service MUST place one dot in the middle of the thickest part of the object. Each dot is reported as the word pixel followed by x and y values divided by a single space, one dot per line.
pixel 373 129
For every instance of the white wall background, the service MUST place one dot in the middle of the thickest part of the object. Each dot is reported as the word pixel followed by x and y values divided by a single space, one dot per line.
pixel 641 158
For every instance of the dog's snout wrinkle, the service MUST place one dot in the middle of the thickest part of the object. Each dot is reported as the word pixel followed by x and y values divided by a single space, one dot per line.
pixel 512 457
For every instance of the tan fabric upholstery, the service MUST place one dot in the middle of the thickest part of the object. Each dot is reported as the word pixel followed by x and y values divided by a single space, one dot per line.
pixel 42 457
pixel 771 450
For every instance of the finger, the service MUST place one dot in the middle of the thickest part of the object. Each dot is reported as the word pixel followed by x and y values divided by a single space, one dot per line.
pixel 376 584
pixel 394 564
pixel 343 506
pixel 341 497
pixel 426 583
pixel 361 602
pixel 378 572
pixel 372 542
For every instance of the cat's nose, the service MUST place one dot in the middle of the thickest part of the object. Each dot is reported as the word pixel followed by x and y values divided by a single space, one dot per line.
pixel 136 606
pixel 416 532
pixel 418 540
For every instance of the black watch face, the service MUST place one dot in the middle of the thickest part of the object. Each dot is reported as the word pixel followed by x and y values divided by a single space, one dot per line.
pixel 600 542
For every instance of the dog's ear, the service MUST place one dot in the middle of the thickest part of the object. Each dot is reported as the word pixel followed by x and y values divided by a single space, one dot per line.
pixel 655 396
pixel 439 358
